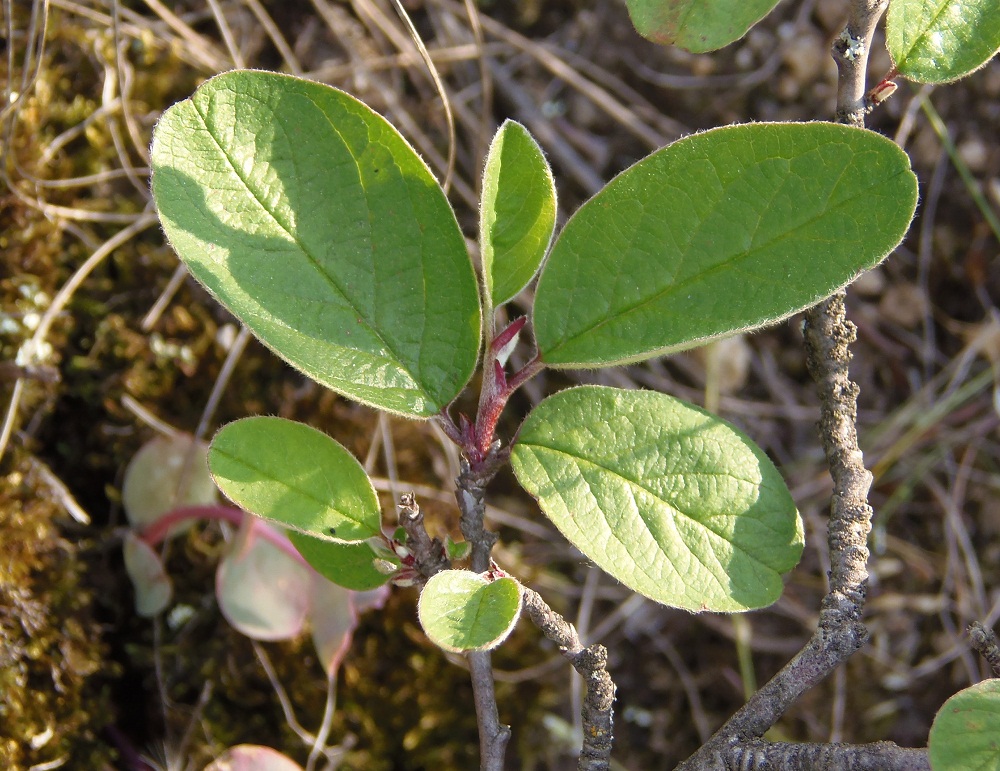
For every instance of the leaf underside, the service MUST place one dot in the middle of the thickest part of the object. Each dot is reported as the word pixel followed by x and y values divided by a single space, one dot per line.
pixel 669 499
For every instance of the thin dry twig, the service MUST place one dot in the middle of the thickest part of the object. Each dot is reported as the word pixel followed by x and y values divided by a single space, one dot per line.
pixel 984 641
pixel 592 664
pixel 828 335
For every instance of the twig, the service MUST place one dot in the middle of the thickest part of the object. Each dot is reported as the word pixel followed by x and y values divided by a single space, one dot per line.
pixel 471 496
pixel 851 52
pixel 429 555
pixel 840 633
pixel 984 641
pixel 591 662
pixel 782 756
pixel 493 736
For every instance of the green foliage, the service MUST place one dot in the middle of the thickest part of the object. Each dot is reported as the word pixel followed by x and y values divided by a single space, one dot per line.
pixel 669 499
pixel 350 565
pixel 964 734
pixel 697 25
pixel 463 611
pixel 722 231
pixel 518 212
pixel 311 219
pixel 935 41
pixel 297 476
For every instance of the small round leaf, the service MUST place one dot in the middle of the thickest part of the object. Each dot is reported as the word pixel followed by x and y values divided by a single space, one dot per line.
pixel 263 591
pixel 168 472
pixel 464 611
pixel 153 589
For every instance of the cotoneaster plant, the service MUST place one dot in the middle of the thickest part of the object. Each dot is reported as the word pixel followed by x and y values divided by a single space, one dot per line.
pixel 309 217
pixel 312 220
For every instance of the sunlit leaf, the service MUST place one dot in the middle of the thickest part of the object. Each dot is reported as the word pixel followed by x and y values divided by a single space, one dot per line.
pixel 464 611
pixel 934 41
pixel 310 218
pixel 295 475
pixel 671 500
pixel 728 230
pixel 518 213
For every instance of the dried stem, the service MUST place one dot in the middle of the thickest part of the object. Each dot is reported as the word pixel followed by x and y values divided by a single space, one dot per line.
pixel 984 642
pixel 429 556
pixel 591 662
pixel 738 744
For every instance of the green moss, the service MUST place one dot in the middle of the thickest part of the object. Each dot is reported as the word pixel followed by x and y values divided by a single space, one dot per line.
pixel 52 705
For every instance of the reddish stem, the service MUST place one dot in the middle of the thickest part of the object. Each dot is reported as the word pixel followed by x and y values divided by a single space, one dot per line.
pixel 509 333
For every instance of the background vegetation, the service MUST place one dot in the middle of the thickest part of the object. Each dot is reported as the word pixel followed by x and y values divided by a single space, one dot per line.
pixel 84 681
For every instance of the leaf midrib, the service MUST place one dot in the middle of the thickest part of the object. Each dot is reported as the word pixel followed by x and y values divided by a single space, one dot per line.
pixel 654 495
pixel 726 264
pixel 313 261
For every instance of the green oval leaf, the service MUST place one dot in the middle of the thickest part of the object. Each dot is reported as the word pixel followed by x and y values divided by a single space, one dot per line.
pixel 518 213
pixel 697 25
pixel 310 218
pixel 297 476
pixel 728 230
pixel 964 734
pixel 934 41
pixel 463 611
pixel 669 499
pixel 350 565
